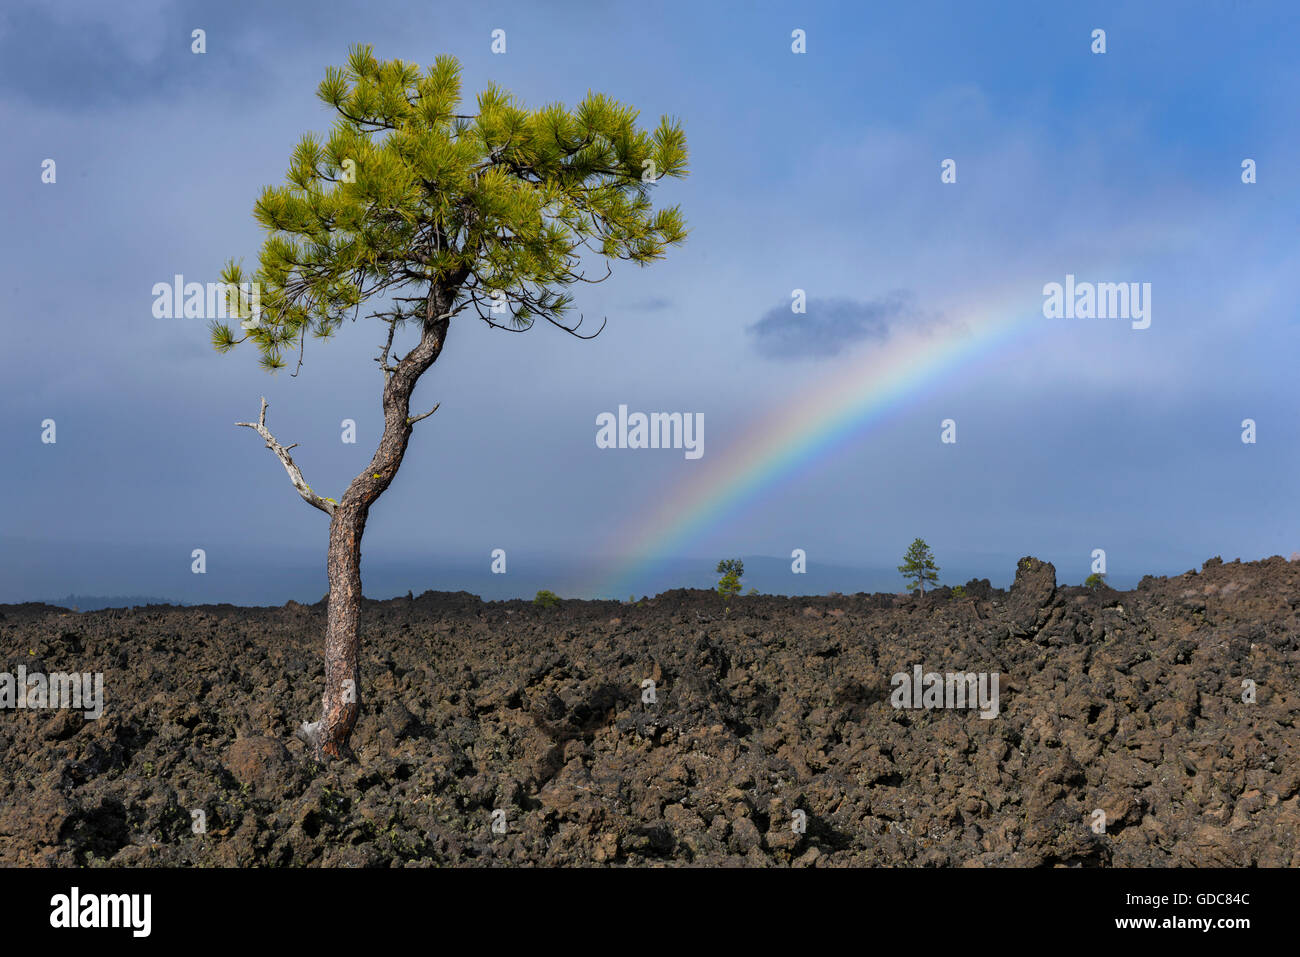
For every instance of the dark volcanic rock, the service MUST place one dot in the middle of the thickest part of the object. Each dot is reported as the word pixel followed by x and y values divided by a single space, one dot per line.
pixel 256 762
pixel 1031 595
pixel 1168 712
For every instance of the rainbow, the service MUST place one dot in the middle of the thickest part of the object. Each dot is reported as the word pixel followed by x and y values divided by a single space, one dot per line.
pixel 805 429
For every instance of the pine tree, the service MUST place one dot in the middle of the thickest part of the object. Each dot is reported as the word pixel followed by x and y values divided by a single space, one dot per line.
pixel 918 566
pixel 731 570
pixel 420 213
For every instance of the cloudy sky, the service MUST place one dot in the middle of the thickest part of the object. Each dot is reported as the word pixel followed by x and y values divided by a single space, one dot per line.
pixel 816 171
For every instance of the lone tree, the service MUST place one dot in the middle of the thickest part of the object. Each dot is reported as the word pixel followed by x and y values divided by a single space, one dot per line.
pixel 419 212
pixel 731 570
pixel 918 565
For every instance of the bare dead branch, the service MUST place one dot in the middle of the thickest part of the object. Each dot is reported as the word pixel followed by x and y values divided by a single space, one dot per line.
pixel 383 358
pixel 295 474
pixel 417 418
pixel 302 346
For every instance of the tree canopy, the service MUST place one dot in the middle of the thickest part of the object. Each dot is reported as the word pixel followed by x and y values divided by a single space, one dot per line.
pixel 407 193
pixel 918 566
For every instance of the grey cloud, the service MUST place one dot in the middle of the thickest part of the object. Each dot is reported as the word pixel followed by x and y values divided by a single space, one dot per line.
pixel 85 56
pixel 829 325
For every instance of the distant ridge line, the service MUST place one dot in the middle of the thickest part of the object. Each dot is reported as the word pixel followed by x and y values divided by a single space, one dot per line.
pixel 100 602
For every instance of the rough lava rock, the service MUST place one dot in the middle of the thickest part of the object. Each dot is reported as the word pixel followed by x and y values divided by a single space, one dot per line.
pixel 1168 712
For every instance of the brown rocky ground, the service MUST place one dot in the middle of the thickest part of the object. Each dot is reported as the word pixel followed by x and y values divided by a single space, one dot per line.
pixel 1130 702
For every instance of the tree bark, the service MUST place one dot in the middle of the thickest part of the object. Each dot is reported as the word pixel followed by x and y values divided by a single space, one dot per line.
pixel 341 705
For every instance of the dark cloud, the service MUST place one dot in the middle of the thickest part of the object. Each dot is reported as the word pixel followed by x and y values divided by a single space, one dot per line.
pixel 65 60
pixel 85 56
pixel 829 325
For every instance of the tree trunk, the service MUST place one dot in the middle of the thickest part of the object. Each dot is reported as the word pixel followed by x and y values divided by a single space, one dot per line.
pixel 341 705
pixel 342 702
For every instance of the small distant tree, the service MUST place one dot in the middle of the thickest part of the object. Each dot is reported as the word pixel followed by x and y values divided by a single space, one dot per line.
pixel 546 599
pixel 1094 580
pixel 731 570
pixel 918 566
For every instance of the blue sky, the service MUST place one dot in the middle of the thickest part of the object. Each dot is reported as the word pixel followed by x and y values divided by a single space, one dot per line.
pixel 817 171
